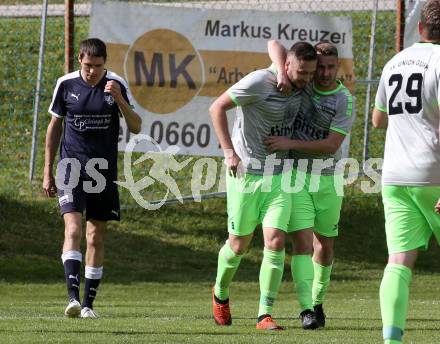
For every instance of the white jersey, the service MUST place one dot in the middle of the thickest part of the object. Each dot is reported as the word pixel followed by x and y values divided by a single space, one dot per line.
pixel 409 92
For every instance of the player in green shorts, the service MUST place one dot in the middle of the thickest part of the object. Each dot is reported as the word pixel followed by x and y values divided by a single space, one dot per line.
pixel 320 127
pixel 254 193
pixel 407 105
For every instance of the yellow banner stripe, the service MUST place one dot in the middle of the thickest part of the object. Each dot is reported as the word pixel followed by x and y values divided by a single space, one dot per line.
pixel 222 69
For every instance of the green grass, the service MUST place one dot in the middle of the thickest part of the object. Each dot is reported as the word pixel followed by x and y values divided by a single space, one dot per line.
pixel 181 313
pixel 177 243
pixel 158 270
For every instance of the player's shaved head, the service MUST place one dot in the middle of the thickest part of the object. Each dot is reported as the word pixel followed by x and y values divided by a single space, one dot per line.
pixel 92 47
pixel 301 63
pixel 430 19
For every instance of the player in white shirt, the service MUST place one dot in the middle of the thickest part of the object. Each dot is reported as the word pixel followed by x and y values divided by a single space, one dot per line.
pixel 407 104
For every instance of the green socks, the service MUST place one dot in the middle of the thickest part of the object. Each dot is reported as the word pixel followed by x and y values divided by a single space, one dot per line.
pixel 394 293
pixel 271 274
pixel 302 274
pixel 321 280
pixel 228 263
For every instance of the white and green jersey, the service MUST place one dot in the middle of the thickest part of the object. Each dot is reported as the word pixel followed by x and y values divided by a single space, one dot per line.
pixel 262 111
pixel 320 113
pixel 409 92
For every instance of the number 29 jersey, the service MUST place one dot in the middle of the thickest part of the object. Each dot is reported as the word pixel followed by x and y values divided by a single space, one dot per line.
pixel 409 92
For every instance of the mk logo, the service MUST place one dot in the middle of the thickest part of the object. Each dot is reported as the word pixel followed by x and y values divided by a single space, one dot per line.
pixel 157 68
pixel 75 96
pixel 164 71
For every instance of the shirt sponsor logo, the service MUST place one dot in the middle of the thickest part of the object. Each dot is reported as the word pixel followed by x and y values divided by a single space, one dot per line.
pixel 85 122
pixel 302 125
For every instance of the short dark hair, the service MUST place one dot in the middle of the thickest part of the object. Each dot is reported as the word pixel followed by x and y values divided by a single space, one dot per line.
pixel 326 49
pixel 93 47
pixel 303 51
pixel 430 18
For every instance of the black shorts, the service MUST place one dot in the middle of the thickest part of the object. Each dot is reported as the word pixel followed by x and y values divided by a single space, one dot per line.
pixel 102 206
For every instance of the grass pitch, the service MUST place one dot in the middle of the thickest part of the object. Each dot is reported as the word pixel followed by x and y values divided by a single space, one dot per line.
pixel 181 313
pixel 158 273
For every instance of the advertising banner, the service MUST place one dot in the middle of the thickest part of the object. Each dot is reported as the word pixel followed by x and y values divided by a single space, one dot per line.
pixel 178 60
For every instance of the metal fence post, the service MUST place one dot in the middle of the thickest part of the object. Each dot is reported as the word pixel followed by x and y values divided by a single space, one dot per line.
pixel 400 24
pixel 69 25
pixel 37 92
pixel 369 80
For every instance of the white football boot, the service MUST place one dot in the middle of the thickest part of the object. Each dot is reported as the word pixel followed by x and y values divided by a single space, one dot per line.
pixel 73 309
pixel 87 312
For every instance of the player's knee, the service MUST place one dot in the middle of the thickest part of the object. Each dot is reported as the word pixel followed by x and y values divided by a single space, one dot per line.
pixel 302 246
pixel 274 243
pixel 72 232
pixel 95 239
pixel 238 247
pixel 302 242
pixel 318 246
pixel 324 248
pixel 326 256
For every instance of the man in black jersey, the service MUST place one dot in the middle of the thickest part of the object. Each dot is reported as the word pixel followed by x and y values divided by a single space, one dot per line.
pixel 89 102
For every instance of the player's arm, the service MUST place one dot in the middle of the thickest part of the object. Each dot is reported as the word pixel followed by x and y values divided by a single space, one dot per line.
pixel 379 119
pixel 133 120
pixel 220 123
pixel 327 146
pixel 339 128
pixel 278 53
pixel 53 136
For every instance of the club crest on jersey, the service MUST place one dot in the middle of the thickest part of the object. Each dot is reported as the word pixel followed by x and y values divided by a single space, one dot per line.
pixel 108 98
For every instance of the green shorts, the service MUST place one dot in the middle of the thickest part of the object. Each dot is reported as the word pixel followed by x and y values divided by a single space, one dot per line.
pixel 410 219
pixel 314 205
pixel 256 199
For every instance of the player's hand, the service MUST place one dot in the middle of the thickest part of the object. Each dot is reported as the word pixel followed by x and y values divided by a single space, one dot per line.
pixel 233 163
pixel 437 207
pixel 283 83
pixel 277 143
pixel 49 186
pixel 114 89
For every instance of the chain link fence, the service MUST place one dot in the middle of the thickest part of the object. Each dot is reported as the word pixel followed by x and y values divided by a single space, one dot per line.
pixel 20 23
